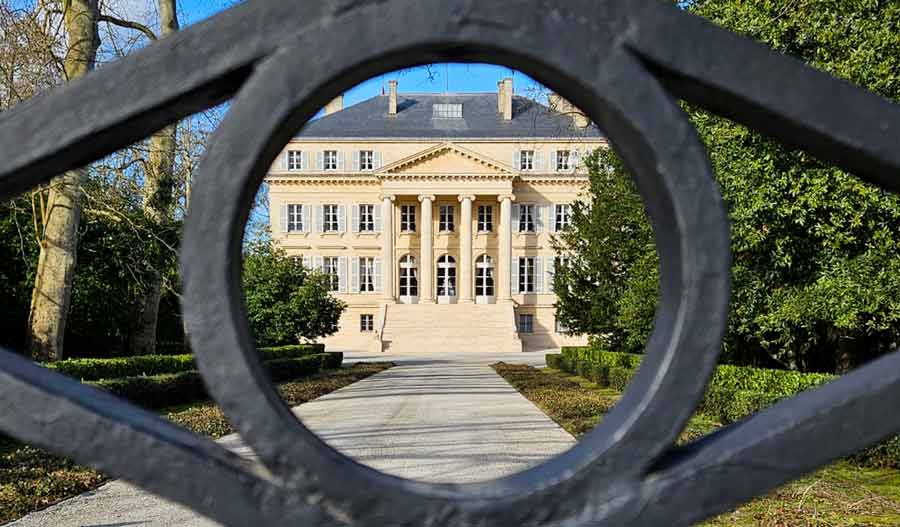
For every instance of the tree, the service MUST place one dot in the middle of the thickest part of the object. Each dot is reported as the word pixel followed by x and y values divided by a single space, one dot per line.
pixel 285 301
pixel 605 256
pixel 59 242
pixel 815 250
pixel 158 194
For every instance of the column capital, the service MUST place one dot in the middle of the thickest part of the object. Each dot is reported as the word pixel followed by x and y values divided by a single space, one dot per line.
pixel 429 197
pixel 464 197
pixel 383 197
pixel 503 197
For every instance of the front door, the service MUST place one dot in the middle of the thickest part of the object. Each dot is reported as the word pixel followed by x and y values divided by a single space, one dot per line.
pixel 446 280
pixel 484 280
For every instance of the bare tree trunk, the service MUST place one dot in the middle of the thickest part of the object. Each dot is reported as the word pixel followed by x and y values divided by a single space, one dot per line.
pixel 59 244
pixel 159 186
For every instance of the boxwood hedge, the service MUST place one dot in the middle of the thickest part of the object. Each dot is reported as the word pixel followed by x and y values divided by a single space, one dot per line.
pixel 171 389
pixel 734 392
pixel 143 365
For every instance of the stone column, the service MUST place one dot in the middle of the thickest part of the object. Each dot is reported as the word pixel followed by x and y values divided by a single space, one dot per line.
pixel 387 247
pixel 426 252
pixel 505 241
pixel 465 250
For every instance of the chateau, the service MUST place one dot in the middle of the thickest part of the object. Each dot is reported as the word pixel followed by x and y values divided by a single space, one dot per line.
pixel 433 214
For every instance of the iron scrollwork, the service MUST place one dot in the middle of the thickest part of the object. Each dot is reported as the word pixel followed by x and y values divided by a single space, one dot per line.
pixel 624 62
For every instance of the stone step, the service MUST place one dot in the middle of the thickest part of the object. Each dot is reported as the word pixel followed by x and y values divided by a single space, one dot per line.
pixel 450 327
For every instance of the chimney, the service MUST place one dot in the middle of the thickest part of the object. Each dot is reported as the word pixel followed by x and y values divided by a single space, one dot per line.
pixel 499 96
pixel 561 105
pixel 392 98
pixel 505 96
pixel 336 105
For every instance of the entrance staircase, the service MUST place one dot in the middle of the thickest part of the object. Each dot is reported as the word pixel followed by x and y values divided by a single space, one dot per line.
pixel 414 328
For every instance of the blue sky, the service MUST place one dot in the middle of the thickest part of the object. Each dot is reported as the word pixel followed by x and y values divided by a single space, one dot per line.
pixel 438 78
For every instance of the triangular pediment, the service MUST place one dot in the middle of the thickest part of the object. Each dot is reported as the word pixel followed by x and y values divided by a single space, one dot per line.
pixel 448 159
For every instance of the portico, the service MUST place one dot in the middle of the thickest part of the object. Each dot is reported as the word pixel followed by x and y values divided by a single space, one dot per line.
pixel 469 254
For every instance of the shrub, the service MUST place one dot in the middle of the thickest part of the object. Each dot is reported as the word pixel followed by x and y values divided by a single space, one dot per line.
pixel 292 351
pixel 555 361
pixel 620 377
pixel 144 365
pixel 734 392
pixel 332 360
pixel 157 391
pixel 784 382
pixel 883 455
pixel 160 391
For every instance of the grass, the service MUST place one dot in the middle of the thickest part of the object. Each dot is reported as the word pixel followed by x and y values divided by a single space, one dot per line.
pixel 841 495
pixel 32 479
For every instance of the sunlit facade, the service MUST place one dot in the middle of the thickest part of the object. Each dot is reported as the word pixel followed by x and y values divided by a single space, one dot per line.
pixel 434 215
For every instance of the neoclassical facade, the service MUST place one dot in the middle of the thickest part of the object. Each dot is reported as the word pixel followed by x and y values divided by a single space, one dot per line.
pixel 434 215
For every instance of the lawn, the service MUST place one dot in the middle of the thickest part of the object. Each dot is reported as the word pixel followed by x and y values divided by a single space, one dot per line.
pixel 31 479
pixel 842 494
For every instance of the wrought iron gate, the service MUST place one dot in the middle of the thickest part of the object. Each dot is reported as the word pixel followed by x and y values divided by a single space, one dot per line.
pixel 623 62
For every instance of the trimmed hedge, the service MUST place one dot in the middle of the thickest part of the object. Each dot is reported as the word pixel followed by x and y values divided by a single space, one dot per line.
pixel 161 391
pixel 143 365
pixel 734 392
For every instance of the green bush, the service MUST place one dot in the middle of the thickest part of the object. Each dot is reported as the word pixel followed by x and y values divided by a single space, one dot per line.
pixel 784 382
pixel 555 361
pixel 292 351
pixel 157 391
pixel 119 367
pixel 160 391
pixel 734 392
pixel 332 360
pixel 883 455
pixel 144 365
pixel 620 377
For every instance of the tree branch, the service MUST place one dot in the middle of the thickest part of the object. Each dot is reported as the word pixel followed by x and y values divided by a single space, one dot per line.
pixel 128 24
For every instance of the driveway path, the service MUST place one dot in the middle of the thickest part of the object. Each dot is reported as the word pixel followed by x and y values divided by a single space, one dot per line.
pixel 445 418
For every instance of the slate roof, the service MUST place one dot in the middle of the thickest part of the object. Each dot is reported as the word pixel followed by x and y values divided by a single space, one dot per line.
pixel 414 119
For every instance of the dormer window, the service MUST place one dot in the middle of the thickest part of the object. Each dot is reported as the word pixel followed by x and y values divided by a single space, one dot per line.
pixel 447 111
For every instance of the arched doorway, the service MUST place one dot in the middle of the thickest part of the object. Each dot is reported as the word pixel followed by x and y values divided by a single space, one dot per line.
pixel 446 280
pixel 409 280
pixel 484 280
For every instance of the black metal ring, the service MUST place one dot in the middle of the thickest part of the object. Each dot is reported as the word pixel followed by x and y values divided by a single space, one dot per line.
pixel 597 477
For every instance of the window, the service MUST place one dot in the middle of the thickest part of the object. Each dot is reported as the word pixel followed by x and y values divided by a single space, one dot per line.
pixel 484 277
pixel 331 267
pixel 526 160
pixel 563 217
pixel 367 275
pixel 446 277
pixel 561 328
pixel 409 281
pixel 485 218
pixel 366 160
pixel 331 218
pixel 330 160
pixel 294 160
pixel 526 323
pixel 526 274
pixel 366 322
pixel 563 160
pixel 527 221
pixel 407 218
pixel 446 219
pixel 447 111
pixel 295 218
pixel 366 218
